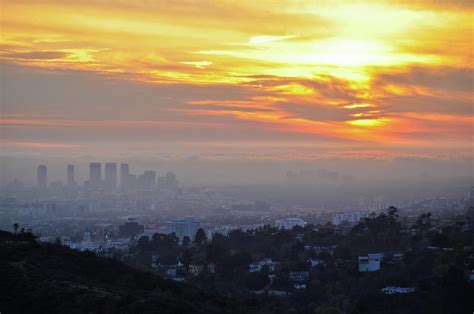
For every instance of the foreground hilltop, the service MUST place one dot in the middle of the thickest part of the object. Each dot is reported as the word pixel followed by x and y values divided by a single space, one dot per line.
pixel 47 278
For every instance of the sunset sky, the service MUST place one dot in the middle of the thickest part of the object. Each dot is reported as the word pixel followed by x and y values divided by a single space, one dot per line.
pixel 377 76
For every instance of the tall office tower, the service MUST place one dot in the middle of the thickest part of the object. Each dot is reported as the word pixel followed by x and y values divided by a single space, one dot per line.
pixel 168 182
pixel 124 175
pixel 95 174
pixel 70 175
pixel 42 177
pixel 111 176
pixel 147 181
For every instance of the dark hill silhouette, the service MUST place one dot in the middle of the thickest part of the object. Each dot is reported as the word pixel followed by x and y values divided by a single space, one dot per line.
pixel 47 278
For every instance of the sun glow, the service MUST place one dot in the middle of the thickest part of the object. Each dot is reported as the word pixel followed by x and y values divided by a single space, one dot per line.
pixel 305 66
pixel 367 122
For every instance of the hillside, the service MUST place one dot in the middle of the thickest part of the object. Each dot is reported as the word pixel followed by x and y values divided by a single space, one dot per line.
pixel 45 278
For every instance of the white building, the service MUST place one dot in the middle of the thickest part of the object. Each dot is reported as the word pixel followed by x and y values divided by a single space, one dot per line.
pixel 183 227
pixel 299 286
pixel 314 262
pixel 352 218
pixel 120 244
pixel 257 266
pixel 397 290
pixel 85 245
pixel 369 263
pixel 289 223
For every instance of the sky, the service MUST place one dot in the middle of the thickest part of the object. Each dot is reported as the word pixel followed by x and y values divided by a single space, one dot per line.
pixel 283 79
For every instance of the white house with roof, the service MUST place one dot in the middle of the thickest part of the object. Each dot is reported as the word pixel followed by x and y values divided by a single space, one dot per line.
pixel 257 266
pixel 315 262
pixel 397 290
pixel 370 263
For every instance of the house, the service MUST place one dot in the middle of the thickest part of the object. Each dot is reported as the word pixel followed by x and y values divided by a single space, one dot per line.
pixel 277 293
pixel 299 276
pixel 397 257
pixel 397 290
pixel 370 263
pixel 195 270
pixel 211 268
pixel 299 237
pixel 321 249
pixel 314 262
pixel 171 272
pixel 257 266
pixel 299 286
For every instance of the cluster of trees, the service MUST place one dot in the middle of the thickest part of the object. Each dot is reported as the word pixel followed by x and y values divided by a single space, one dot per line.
pixel 435 262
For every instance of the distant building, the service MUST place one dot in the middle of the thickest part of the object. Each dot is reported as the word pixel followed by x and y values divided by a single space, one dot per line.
pixel 95 174
pixel 299 286
pixel 211 268
pixel 257 266
pixel 110 181
pixel 261 206
pixel 130 229
pixel 183 227
pixel 397 290
pixel 42 177
pixel 124 173
pixel 87 238
pixel 195 270
pixel 168 181
pixel 315 262
pixel 370 263
pixel 120 244
pixel 299 276
pixel 351 218
pixel 289 223
pixel 170 272
pixel 70 176
pixel 243 207
pixel 147 181
pixel 439 203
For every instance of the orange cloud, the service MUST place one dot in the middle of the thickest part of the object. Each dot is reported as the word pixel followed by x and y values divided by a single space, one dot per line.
pixel 324 70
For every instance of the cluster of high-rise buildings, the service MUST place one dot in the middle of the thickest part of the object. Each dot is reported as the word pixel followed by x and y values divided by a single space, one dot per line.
pixel 111 181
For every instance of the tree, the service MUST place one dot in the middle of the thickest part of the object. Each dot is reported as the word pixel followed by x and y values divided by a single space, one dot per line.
pixel 327 310
pixel 186 241
pixel 58 241
pixel 257 281
pixel 15 226
pixel 187 258
pixel 200 237
pixel 423 222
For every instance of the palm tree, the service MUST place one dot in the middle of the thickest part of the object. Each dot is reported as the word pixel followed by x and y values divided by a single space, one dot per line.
pixel 15 226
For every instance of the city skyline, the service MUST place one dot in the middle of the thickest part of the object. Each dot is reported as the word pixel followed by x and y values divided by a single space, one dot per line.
pixel 109 181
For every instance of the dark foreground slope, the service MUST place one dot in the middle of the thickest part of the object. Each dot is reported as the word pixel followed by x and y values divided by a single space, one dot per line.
pixel 45 278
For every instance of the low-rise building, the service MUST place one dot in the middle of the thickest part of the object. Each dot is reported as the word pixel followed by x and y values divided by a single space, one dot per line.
pixel 299 276
pixel 370 263
pixel 397 290
pixel 195 270
pixel 289 223
pixel 299 286
pixel 314 262
pixel 257 266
